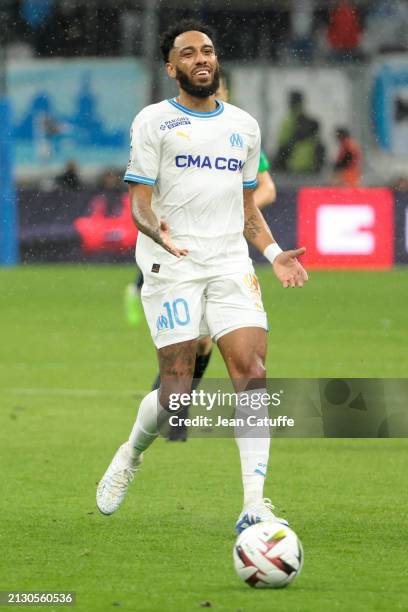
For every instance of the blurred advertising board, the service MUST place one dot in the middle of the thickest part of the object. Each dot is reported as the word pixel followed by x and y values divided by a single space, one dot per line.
pixel 80 226
pixel 74 109
pixel 346 228
pixel 340 228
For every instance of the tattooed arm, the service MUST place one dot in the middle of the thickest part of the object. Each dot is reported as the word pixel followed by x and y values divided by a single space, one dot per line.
pixel 146 220
pixel 256 230
pixel 285 265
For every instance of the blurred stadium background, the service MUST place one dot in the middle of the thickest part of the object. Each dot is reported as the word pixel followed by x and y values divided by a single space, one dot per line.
pixel 74 73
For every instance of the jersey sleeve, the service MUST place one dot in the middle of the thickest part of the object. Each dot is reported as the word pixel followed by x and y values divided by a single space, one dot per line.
pixel 264 165
pixel 143 164
pixel 252 162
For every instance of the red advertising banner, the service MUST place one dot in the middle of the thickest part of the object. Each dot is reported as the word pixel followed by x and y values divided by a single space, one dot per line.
pixel 103 232
pixel 346 228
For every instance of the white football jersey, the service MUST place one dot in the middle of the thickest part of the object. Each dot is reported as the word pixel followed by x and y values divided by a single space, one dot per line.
pixel 198 164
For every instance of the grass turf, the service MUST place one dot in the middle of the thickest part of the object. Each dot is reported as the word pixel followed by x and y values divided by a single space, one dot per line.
pixel 71 374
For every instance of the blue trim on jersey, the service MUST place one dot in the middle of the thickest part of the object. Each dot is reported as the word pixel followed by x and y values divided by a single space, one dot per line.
pixel 250 184
pixel 135 178
pixel 199 114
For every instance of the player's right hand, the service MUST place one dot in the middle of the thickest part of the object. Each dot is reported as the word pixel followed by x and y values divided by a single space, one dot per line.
pixel 167 243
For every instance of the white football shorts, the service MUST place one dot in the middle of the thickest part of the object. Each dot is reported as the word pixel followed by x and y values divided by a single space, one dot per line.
pixel 178 309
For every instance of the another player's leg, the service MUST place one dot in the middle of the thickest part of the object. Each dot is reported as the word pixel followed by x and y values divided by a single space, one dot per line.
pixel 176 369
pixel 178 432
pixel 204 350
pixel 133 304
pixel 244 353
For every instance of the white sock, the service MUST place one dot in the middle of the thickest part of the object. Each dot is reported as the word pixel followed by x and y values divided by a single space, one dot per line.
pixel 253 444
pixel 150 417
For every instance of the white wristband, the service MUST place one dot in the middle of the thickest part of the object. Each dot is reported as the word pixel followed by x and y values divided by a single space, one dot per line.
pixel 272 251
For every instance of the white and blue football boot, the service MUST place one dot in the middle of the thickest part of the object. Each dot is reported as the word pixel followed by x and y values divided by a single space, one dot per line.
pixel 257 513
pixel 114 483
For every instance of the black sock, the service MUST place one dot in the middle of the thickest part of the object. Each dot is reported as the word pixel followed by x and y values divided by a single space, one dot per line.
pixel 200 367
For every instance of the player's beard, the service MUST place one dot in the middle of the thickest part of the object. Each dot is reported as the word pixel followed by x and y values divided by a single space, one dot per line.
pixel 198 91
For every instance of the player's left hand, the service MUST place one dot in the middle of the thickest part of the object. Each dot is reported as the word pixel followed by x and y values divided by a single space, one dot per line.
pixel 288 270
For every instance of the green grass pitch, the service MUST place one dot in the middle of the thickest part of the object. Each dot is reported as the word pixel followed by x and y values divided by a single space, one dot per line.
pixel 71 375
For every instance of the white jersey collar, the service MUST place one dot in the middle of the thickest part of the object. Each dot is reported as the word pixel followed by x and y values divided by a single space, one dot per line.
pixel 199 114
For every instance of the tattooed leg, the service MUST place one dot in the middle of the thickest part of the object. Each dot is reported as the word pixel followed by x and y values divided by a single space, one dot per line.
pixel 176 371
pixel 176 364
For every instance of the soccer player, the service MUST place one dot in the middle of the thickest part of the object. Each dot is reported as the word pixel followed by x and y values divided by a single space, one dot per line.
pixel 264 194
pixel 191 175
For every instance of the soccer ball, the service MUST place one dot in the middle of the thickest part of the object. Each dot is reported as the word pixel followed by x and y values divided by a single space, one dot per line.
pixel 268 554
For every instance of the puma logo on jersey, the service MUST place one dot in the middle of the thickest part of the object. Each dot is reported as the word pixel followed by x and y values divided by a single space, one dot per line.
pixel 183 135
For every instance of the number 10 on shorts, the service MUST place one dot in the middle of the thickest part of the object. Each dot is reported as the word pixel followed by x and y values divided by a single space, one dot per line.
pixel 177 314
